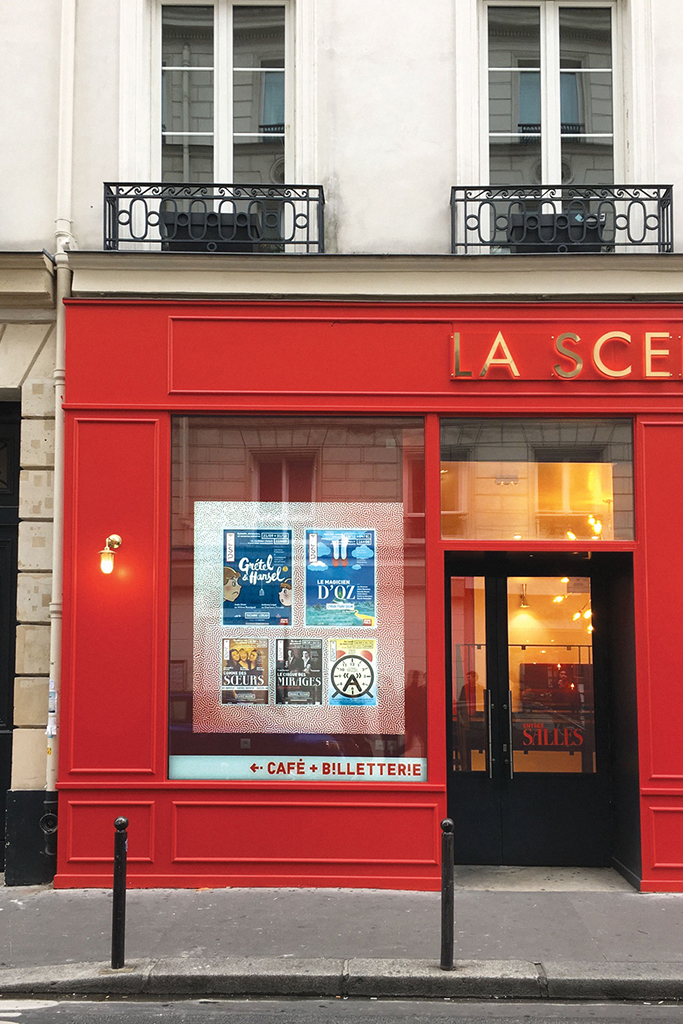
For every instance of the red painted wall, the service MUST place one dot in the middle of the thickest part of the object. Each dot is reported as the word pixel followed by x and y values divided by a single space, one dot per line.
pixel 130 364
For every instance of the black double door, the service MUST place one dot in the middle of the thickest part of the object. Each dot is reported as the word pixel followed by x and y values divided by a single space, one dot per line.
pixel 9 518
pixel 529 778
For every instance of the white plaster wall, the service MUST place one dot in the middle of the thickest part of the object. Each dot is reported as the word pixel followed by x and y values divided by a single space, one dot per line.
pixel 29 85
pixel 667 155
pixel 96 117
pixel 396 86
pixel 386 123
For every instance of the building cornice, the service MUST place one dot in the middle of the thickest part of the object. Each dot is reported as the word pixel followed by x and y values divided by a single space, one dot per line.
pixel 592 278
pixel 26 281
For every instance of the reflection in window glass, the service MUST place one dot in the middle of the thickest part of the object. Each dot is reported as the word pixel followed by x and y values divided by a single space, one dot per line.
pixel 511 30
pixel 574 143
pixel 187 93
pixel 258 94
pixel 586 37
pixel 253 56
pixel 471 723
pixel 330 669
pixel 536 479
pixel 514 37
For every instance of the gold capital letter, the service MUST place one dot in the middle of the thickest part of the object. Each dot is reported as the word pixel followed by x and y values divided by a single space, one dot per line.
pixel 574 356
pixel 597 357
pixel 505 360
pixel 651 352
pixel 455 360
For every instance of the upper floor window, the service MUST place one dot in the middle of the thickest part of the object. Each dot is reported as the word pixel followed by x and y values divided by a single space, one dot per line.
pixel 223 92
pixel 550 89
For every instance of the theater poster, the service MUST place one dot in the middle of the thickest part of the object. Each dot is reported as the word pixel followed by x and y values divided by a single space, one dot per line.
pixel 257 577
pixel 353 672
pixel 341 578
pixel 299 671
pixel 244 671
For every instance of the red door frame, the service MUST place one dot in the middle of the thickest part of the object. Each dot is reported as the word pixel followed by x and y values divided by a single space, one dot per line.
pixel 131 364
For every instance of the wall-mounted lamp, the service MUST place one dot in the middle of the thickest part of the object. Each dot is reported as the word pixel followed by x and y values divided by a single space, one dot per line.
pixel 111 544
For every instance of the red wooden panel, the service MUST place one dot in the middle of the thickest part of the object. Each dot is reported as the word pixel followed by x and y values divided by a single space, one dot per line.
pixel 660 696
pixel 269 353
pixel 323 832
pixel 112 646
pixel 90 829
pixel 667 836
pixel 243 355
pixel 192 839
pixel 116 354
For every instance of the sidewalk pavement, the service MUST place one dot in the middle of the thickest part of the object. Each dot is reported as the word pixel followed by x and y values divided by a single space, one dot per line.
pixel 519 934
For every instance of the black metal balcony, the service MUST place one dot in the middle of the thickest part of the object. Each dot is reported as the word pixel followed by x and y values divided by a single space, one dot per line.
pixel 561 219
pixel 181 217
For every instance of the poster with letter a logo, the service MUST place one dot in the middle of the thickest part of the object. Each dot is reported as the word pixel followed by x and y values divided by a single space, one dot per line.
pixel 257 577
pixel 340 578
pixel 353 672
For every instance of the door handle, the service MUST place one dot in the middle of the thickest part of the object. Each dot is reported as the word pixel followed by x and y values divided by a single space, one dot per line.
pixel 489 738
pixel 510 748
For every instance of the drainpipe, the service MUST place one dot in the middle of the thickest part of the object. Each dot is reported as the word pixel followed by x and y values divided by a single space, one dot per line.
pixel 48 822
pixel 64 241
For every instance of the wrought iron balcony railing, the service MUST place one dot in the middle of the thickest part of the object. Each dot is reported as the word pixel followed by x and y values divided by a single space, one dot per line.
pixel 181 217
pixel 561 218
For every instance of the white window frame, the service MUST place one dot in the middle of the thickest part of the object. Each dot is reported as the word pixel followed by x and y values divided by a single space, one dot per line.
pixel 551 157
pixel 222 81
pixel 140 89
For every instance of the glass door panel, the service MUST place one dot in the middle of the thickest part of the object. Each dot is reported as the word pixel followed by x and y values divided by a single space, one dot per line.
pixel 550 669
pixel 471 710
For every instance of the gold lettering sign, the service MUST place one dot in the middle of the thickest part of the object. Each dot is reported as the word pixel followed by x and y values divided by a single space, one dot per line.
pixel 600 366
pixel 504 360
pixel 564 351
pixel 614 355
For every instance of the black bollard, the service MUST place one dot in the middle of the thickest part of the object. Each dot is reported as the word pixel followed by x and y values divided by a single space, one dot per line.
pixel 447 894
pixel 118 919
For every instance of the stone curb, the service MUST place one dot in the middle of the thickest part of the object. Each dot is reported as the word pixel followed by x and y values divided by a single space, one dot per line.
pixel 646 981
pixel 280 976
pixel 480 979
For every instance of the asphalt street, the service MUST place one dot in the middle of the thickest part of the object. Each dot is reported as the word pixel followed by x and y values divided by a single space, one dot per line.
pixel 321 1011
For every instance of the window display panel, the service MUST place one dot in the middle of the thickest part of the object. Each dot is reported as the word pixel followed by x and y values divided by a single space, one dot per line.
pixel 297 604
pixel 534 479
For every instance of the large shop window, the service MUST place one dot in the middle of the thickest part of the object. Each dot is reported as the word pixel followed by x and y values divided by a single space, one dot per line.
pixel 223 93
pixel 298 600
pixel 550 94
pixel 532 479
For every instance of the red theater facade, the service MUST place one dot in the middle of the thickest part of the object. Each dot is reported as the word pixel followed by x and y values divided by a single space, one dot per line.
pixel 379 563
